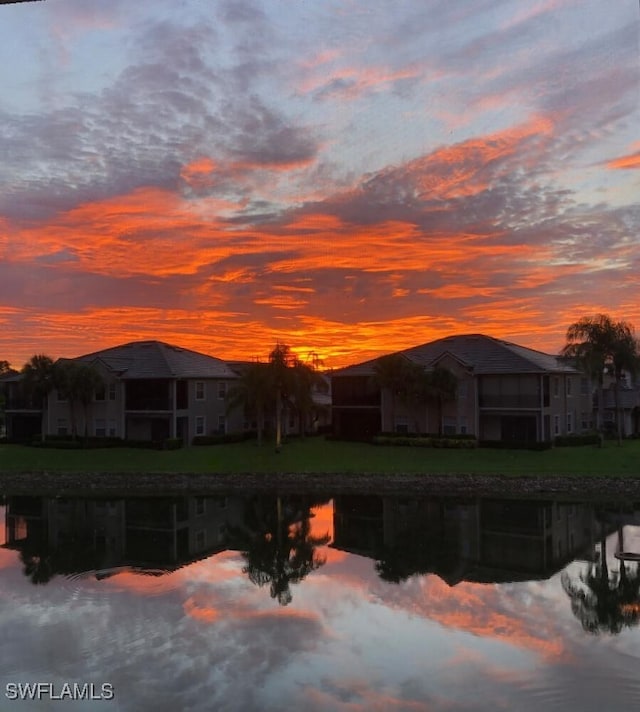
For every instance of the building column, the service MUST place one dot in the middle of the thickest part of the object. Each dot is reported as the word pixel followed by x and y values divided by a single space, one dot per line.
pixel 173 429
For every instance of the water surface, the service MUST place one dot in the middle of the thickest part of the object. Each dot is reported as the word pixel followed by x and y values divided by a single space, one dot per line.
pixel 352 603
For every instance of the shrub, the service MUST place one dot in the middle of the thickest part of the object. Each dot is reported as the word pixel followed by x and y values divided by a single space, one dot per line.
pixel 516 444
pixel 58 444
pixel 576 440
pixel 420 441
pixel 221 438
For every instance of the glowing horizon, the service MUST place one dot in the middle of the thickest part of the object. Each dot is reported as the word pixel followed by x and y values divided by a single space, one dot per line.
pixel 352 181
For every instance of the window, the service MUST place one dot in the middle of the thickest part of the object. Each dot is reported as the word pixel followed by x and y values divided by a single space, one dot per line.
pixel 62 426
pixel 222 390
pixel 569 422
pixel 112 428
pixel 585 420
pixel 112 391
pixel 100 428
pixel 200 390
pixel 222 424
pixel 449 425
pixel 201 539
pixel 200 425
pixel 569 386
pixel 556 387
pixel 201 506
pixel 402 424
pixel 463 425
pixel 584 386
pixel 100 394
pixel 556 425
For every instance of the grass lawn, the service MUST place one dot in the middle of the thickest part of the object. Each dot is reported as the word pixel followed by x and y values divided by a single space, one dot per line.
pixel 318 455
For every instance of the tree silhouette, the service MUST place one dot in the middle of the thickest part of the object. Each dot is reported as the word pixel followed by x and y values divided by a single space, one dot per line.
pixel 599 345
pixel 442 386
pixel 39 375
pixel 603 600
pixel 277 544
pixel 253 393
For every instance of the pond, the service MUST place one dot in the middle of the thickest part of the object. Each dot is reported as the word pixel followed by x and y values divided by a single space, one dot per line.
pixel 345 603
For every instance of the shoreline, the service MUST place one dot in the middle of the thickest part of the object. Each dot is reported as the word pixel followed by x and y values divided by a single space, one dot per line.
pixel 104 484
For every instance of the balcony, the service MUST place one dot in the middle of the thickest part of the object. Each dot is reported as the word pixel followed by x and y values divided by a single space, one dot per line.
pixel 22 403
pixel 149 404
pixel 509 401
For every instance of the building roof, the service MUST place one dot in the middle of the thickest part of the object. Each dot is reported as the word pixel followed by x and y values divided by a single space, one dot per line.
pixel 481 354
pixel 156 359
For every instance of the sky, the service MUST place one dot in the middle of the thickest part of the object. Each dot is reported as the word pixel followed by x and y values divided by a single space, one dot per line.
pixel 347 177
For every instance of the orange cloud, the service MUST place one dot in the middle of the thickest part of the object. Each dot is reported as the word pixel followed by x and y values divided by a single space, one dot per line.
pixel 203 613
pixel 625 162
pixel 472 608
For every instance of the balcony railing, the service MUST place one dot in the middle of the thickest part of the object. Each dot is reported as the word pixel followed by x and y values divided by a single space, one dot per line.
pixel 517 400
pixel 149 404
pixel 22 403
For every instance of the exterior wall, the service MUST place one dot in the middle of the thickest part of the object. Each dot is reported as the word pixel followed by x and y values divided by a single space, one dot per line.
pixel 207 411
pixel 570 405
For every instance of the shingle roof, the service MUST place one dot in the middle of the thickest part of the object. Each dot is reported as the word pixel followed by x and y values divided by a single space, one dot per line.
pixel 483 354
pixel 156 359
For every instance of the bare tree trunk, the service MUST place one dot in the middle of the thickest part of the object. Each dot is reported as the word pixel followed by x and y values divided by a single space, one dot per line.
pixel 278 421
pixel 618 413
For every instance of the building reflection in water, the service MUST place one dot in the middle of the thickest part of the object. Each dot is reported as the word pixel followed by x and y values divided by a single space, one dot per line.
pixel 474 539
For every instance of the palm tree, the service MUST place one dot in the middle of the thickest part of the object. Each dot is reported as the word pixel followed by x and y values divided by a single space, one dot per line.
pixel 598 344
pixel 442 387
pixel 625 357
pixel 64 378
pixel 280 363
pixel 390 373
pixel 253 392
pixel 304 378
pixel 88 382
pixel 77 383
pixel 38 375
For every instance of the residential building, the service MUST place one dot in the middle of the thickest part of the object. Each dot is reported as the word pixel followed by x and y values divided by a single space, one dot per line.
pixel 627 407
pixel 152 391
pixel 505 392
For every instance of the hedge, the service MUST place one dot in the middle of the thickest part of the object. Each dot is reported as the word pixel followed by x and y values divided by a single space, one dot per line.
pixel 64 442
pixel 221 438
pixel 516 444
pixel 417 441
pixel 575 440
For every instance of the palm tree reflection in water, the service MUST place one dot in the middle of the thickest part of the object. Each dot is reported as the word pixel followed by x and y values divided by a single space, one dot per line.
pixel 603 600
pixel 277 544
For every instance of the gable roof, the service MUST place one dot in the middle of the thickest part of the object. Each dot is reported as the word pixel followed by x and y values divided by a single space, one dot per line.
pixel 480 353
pixel 486 354
pixel 156 359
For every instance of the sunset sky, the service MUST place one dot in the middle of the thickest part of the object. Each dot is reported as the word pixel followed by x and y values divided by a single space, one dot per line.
pixel 349 177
